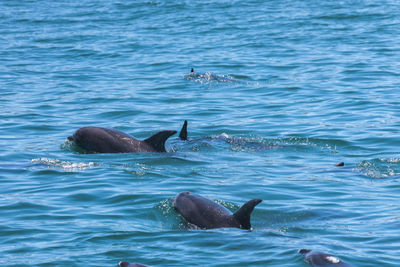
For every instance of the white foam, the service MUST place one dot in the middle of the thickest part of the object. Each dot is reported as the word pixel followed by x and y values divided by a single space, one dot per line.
pixel 63 164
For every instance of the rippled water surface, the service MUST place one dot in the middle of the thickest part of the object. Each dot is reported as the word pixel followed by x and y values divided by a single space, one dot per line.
pixel 284 92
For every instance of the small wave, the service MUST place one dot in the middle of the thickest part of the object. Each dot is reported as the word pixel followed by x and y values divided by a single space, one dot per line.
pixel 66 165
pixel 380 168
pixel 261 144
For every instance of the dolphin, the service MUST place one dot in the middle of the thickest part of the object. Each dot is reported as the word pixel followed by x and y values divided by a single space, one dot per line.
pixel 194 75
pixel 127 264
pixel 103 140
pixel 206 214
pixel 207 77
pixel 321 259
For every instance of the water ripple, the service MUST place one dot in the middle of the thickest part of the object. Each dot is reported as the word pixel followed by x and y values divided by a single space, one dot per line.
pixel 284 93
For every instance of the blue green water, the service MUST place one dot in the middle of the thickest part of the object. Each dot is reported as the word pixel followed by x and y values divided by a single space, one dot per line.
pixel 304 85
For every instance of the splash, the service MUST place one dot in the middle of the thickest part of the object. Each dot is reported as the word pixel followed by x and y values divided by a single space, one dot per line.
pixel 380 168
pixel 208 77
pixel 66 165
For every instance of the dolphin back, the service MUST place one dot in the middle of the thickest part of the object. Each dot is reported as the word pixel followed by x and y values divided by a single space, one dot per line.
pixel 203 212
pixel 242 216
pixel 206 214
pixel 102 140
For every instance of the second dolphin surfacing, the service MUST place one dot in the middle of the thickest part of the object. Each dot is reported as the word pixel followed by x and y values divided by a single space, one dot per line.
pixel 322 259
pixel 104 140
pixel 206 214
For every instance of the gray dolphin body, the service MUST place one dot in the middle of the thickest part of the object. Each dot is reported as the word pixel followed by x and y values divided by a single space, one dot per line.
pixel 127 264
pixel 206 214
pixel 321 259
pixel 103 140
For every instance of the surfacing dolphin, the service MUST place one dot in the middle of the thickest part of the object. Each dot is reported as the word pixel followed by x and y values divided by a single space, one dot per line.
pixel 127 264
pixel 321 259
pixel 208 77
pixel 103 140
pixel 206 214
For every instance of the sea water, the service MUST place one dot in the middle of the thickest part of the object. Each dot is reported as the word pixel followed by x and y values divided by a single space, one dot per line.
pixel 285 91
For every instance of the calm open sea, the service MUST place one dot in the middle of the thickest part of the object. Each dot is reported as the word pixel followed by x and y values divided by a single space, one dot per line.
pixel 290 88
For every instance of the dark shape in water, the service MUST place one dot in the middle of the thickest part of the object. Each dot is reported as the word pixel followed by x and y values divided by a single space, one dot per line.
pixel 321 259
pixel 206 214
pixel 183 132
pixel 103 140
pixel 127 264
pixel 340 164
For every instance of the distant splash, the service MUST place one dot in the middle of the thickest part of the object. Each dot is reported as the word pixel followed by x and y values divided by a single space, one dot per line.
pixel 208 77
pixel 380 168
pixel 66 165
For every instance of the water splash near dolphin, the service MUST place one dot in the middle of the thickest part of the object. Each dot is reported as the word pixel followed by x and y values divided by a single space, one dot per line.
pixel 208 77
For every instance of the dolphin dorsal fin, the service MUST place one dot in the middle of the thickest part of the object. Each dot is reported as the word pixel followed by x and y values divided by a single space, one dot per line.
pixel 157 141
pixel 242 216
pixel 183 133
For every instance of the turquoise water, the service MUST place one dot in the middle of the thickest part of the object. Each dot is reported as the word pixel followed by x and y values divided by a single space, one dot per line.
pixel 295 88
